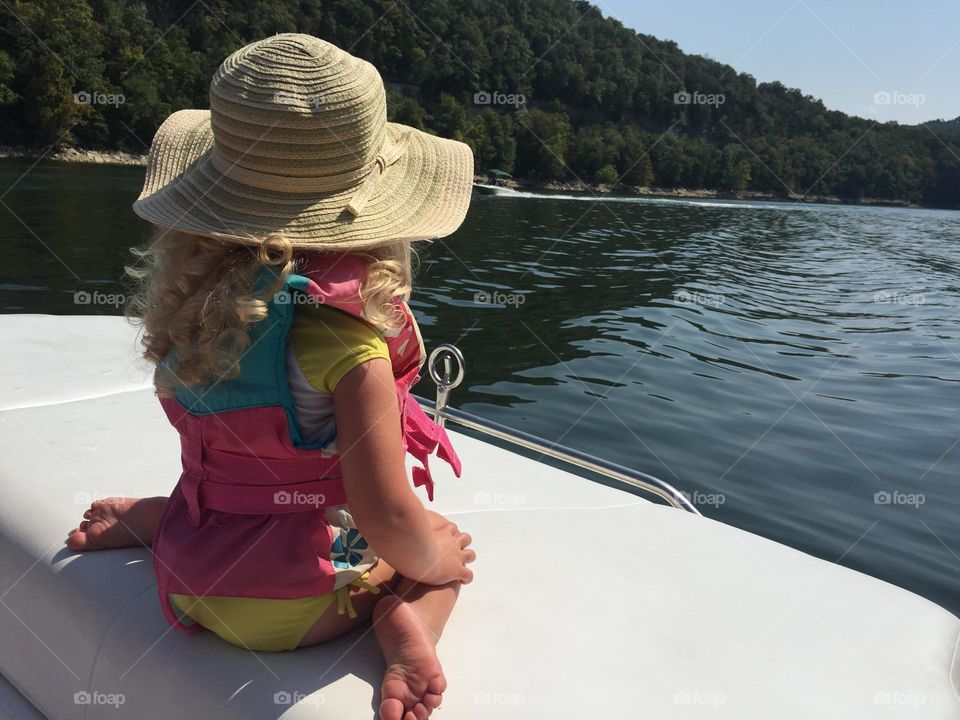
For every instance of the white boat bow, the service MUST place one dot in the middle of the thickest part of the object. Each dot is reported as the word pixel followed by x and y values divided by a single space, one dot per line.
pixel 588 602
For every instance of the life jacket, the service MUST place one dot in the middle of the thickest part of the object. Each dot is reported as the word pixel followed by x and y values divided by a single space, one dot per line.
pixel 247 517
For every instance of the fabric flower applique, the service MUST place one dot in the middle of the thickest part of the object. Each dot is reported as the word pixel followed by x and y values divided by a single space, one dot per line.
pixel 347 549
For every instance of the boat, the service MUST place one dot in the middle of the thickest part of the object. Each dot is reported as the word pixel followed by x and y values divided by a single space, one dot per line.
pixel 600 590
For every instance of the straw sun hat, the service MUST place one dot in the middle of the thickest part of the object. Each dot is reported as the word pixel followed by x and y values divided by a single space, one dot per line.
pixel 297 142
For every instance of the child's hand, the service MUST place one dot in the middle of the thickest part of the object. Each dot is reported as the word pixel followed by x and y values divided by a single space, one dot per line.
pixel 421 545
pixel 454 551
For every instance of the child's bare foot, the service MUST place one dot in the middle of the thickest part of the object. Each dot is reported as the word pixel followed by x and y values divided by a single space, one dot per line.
pixel 117 522
pixel 414 681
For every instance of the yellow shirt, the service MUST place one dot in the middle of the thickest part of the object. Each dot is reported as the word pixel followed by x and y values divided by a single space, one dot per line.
pixel 324 344
pixel 328 343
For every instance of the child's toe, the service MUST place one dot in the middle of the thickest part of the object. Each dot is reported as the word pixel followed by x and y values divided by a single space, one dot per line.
pixel 437 684
pixel 391 709
pixel 76 539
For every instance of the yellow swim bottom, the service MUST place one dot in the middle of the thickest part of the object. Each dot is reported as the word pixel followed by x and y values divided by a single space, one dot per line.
pixel 266 624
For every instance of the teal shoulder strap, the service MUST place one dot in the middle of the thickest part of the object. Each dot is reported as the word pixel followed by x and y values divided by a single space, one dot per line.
pixel 263 379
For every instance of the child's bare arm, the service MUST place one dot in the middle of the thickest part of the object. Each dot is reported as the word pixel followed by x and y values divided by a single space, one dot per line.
pixel 381 500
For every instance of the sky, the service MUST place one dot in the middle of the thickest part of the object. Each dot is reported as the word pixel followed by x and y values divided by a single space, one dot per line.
pixel 882 60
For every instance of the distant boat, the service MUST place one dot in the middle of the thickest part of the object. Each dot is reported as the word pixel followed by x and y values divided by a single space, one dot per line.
pixel 494 189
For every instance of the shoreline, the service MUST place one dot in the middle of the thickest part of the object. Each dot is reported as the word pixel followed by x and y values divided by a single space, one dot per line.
pixel 75 155
pixel 119 157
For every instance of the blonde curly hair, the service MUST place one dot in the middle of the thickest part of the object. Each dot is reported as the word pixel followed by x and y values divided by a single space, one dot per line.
pixel 195 294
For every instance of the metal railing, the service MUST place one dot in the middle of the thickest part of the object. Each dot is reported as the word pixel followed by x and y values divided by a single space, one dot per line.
pixel 452 375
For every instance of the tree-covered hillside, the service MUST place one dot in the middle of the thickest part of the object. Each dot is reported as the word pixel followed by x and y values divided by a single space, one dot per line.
pixel 601 102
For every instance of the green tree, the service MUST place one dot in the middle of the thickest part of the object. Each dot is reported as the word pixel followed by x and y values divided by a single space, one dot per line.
pixel 667 155
pixel 407 111
pixel 8 95
pixel 608 175
pixel 448 117
pixel 735 172
pixel 635 159
pixel 56 47
pixel 491 136
pixel 543 138
pixel 590 150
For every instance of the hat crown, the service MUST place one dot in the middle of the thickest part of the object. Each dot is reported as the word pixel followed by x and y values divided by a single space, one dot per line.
pixel 294 105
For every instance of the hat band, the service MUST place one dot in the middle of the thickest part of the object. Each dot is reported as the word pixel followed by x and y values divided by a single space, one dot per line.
pixel 367 177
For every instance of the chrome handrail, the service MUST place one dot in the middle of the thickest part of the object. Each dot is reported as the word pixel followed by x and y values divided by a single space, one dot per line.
pixel 447 381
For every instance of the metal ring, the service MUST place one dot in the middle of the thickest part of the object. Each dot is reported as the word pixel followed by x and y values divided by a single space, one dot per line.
pixel 433 364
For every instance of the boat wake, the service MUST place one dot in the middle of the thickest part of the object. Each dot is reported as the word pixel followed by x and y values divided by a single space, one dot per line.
pixel 505 192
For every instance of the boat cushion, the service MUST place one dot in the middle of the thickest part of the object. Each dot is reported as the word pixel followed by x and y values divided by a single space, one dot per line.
pixel 700 619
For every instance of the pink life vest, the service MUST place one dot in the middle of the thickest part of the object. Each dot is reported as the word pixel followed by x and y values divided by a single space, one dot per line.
pixel 247 517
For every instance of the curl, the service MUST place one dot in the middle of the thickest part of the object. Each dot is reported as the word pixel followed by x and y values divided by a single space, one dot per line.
pixel 388 275
pixel 195 295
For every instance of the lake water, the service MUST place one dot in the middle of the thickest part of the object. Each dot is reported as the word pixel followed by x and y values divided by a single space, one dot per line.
pixel 793 368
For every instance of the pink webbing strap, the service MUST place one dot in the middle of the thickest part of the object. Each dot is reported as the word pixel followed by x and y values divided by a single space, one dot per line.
pixel 307 483
pixel 191 455
pixel 267 471
pixel 273 498
pixel 422 437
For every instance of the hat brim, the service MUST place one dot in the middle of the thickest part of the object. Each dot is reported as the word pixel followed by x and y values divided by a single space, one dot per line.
pixel 422 195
